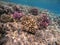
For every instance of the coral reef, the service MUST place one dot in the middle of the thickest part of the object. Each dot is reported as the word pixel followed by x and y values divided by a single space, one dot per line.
pixel 24 25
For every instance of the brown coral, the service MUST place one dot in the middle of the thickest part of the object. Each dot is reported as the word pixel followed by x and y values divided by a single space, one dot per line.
pixel 6 18
pixel 29 23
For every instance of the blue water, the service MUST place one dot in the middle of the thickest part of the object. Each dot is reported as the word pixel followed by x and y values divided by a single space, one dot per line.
pixel 52 5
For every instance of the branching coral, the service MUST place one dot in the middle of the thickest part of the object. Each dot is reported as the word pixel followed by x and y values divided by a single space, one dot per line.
pixel 29 24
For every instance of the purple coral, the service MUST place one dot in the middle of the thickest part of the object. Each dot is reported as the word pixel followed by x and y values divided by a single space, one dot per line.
pixel 44 22
pixel 17 15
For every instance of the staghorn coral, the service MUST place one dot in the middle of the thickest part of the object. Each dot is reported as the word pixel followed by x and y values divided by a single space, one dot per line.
pixel 29 23
pixel 6 18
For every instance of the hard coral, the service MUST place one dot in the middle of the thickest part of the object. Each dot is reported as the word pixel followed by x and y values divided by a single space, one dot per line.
pixel 57 19
pixel 16 8
pixel 43 21
pixel 6 18
pixel 2 31
pixel 34 11
pixel 5 10
pixel 17 15
pixel 3 39
pixel 1 9
pixel 29 24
